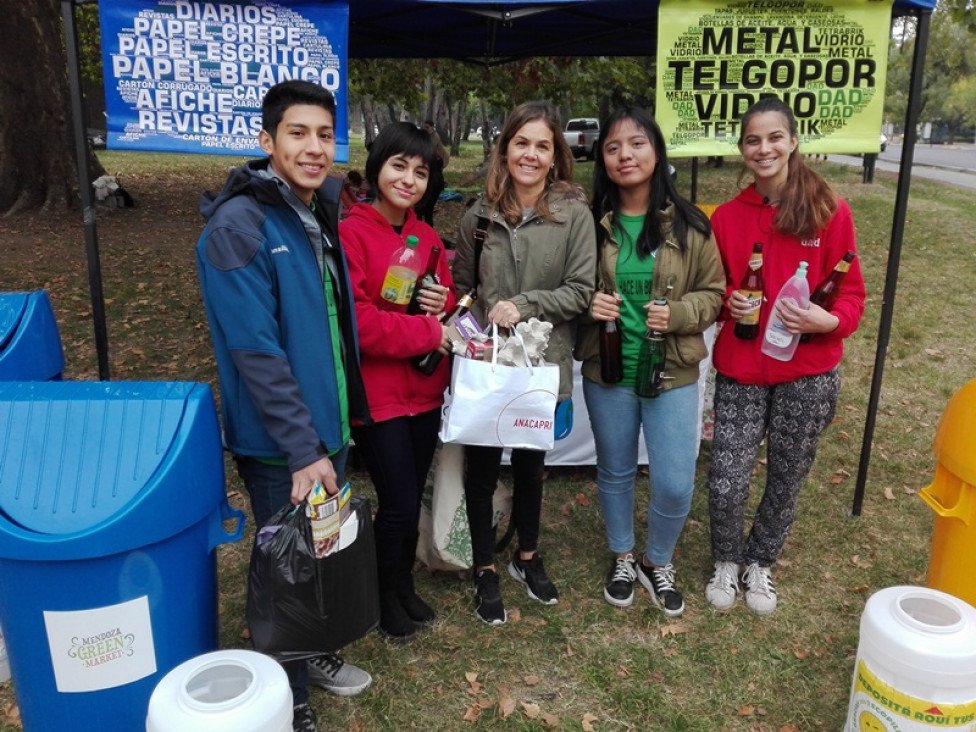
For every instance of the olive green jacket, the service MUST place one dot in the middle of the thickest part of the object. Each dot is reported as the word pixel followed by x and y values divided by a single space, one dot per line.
pixel 547 269
pixel 693 284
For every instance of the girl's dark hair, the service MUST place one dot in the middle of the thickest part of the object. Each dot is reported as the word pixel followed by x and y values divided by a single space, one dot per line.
pixel 499 190
pixel 398 138
pixel 806 203
pixel 606 196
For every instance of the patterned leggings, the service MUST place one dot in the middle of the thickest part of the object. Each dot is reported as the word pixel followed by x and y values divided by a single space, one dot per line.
pixel 794 414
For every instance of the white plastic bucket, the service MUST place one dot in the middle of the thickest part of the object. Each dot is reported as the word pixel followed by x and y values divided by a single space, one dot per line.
pixel 916 663
pixel 225 691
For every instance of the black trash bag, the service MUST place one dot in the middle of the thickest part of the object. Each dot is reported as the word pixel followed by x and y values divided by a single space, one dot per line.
pixel 300 606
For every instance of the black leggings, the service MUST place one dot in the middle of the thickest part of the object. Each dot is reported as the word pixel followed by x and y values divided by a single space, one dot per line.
pixel 480 481
pixel 397 453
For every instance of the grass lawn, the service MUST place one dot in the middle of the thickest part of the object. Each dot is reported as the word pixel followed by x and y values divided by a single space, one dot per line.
pixel 583 664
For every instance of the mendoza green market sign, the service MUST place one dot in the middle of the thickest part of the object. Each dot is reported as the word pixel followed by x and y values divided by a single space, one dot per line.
pixel 826 60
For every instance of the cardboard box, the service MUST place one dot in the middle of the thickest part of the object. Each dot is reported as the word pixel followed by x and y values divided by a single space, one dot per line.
pixel 327 514
pixel 479 350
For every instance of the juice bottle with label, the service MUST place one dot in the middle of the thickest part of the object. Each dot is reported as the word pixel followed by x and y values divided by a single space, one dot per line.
pixel 402 273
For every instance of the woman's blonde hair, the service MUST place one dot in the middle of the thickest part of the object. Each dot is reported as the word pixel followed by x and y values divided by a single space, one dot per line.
pixel 499 189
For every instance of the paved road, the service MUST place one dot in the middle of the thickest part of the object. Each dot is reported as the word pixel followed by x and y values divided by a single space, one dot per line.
pixel 954 164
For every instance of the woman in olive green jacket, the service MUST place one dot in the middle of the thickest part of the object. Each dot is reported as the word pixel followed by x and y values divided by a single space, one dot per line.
pixel 538 261
pixel 659 270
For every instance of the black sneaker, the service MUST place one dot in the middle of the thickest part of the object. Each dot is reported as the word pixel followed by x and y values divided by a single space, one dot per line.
pixel 532 574
pixel 619 589
pixel 488 598
pixel 303 719
pixel 659 581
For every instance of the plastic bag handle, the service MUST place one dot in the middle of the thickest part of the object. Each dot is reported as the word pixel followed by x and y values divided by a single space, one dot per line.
pixel 494 350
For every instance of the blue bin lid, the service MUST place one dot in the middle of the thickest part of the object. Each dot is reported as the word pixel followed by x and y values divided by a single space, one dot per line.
pixel 102 467
pixel 30 345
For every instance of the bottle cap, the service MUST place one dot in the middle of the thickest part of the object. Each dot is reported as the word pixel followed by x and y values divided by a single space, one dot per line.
pixel 412 241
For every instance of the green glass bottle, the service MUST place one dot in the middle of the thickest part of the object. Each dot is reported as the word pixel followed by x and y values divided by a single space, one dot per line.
pixel 650 364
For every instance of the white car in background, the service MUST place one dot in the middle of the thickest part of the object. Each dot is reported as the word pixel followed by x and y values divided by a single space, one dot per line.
pixel 884 142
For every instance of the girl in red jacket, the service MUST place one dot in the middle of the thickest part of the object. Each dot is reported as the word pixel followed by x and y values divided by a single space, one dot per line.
pixel 398 447
pixel 792 211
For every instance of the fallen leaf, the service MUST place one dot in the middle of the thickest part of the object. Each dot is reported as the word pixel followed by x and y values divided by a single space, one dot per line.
pixel 672 629
pixel 888 493
pixel 550 720
pixel 623 672
pixel 531 680
pixel 582 500
pixel 788 728
pixel 530 710
pixel 506 705
pixel 514 616
pixel 472 713
pixel 746 710
pixel 470 676
pixel 587 722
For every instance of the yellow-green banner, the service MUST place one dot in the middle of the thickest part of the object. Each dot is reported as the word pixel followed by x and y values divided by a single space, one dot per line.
pixel 827 60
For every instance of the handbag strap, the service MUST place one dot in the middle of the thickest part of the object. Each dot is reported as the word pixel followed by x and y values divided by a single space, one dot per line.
pixel 480 234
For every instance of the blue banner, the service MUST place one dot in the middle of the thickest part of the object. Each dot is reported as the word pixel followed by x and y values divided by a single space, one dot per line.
pixel 189 77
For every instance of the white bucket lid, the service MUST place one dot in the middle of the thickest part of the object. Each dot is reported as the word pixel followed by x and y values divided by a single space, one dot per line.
pixel 918 630
pixel 224 691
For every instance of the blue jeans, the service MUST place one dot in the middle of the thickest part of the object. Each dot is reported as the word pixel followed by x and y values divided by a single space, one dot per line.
pixel 670 425
pixel 269 487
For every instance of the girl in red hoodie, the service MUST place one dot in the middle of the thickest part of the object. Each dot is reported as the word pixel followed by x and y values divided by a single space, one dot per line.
pixel 791 210
pixel 405 403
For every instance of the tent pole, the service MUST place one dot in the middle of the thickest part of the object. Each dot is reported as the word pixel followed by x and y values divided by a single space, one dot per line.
pixel 894 250
pixel 84 189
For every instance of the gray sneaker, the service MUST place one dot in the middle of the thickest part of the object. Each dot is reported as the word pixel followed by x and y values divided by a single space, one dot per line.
pixel 303 719
pixel 331 673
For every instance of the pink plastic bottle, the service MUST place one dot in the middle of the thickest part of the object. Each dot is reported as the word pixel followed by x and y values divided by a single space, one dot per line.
pixel 777 342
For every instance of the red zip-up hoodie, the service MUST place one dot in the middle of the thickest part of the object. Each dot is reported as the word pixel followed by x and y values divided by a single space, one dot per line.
pixel 748 218
pixel 389 339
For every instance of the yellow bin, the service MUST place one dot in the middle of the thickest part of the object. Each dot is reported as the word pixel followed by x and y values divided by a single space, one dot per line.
pixel 952 495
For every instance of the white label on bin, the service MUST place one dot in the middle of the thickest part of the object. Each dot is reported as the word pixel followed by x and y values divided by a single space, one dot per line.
pixel 101 648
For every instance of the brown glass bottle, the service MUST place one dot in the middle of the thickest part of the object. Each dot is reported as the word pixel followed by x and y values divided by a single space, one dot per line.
pixel 649 381
pixel 611 350
pixel 751 287
pixel 429 361
pixel 428 278
pixel 826 293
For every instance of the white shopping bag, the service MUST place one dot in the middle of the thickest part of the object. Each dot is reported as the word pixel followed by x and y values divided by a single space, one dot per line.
pixel 501 406
pixel 445 537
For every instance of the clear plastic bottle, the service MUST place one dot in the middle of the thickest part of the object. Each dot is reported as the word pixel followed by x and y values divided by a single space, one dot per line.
pixel 777 342
pixel 402 273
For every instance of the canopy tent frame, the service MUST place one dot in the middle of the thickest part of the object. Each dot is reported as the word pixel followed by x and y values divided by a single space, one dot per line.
pixel 588 27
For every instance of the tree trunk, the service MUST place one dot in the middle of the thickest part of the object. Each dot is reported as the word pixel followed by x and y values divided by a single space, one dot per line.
pixel 37 162
pixel 369 119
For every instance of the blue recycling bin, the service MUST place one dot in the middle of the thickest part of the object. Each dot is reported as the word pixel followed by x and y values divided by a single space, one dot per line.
pixel 112 504
pixel 30 345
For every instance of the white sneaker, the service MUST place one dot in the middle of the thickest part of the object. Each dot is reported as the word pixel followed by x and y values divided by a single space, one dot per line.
pixel 723 586
pixel 760 590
